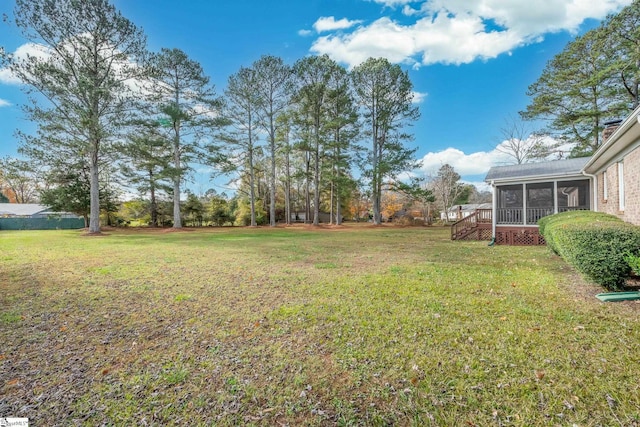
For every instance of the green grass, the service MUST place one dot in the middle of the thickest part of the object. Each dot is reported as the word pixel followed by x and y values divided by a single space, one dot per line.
pixel 358 326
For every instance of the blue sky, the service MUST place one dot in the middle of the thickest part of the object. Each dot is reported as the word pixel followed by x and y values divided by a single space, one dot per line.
pixel 470 61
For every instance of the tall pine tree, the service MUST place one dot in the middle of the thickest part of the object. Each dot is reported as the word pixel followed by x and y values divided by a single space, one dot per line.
pixel 87 52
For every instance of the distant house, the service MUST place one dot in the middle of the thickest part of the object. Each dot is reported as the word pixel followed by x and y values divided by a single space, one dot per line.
pixel 323 217
pixel 609 182
pixel 29 216
pixel 457 212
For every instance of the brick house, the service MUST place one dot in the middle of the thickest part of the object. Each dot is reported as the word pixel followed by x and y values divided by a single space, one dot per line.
pixel 609 182
pixel 615 169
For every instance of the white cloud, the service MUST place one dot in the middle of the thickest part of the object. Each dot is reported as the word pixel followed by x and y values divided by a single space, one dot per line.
pixel 477 163
pixel 480 185
pixel 329 23
pixel 409 11
pixel 458 31
pixel 21 53
pixel 383 38
pixel 418 97
pixel 4 103
pixel 465 164
pixel 305 33
pixel 42 52
pixel 394 3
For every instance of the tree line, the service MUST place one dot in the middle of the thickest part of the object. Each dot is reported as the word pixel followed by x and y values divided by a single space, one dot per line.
pixel 110 112
pixel 593 80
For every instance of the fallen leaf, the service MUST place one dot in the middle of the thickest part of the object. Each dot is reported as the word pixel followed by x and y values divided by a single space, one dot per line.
pixel 540 374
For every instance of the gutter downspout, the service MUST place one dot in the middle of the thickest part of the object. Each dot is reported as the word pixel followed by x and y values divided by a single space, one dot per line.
pixel 494 208
pixel 594 179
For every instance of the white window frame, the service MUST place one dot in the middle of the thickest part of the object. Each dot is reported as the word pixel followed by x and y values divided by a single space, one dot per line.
pixel 605 186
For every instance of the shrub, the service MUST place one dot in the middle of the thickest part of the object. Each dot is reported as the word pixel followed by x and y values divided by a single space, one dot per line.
pixel 549 224
pixel 633 261
pixel 405 220
pixel 594 243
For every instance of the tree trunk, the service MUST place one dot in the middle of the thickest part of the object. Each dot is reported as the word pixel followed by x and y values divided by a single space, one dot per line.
pixel 375 185
pixel 177 221
pixel 335 189
pixel 287 185
pixel 272 182
pixel 316 181
pixel 331 204
pixel 307 195
pixel 338 201
pixel 154 204
pixel 94 210
pixel 252 190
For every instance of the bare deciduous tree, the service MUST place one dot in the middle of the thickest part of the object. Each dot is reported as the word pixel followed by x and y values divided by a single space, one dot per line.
pixel 522 144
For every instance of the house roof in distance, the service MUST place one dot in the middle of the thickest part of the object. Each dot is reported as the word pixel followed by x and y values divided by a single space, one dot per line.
pixel 470 207
pixel 554 168
pixel 22 209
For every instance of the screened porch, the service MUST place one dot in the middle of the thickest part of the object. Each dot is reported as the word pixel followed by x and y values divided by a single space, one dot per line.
pixel 526 203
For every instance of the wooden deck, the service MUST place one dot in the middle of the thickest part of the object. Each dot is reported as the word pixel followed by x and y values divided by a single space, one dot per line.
pixel 478 226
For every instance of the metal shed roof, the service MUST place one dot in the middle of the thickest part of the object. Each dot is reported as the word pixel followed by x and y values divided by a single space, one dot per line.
pixel 555 168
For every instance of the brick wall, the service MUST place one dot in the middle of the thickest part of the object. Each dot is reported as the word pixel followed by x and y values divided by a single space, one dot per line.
pixel 611 206
pixel 632 187
pixel 602 202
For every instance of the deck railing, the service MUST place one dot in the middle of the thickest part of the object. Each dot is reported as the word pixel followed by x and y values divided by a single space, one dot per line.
pixel 509 216
pixel 513 216
pixel 534 214
pixel 573 208
pixel 464 226
pixel 484 215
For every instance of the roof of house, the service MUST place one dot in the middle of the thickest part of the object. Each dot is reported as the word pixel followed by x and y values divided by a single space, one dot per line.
pixel 470 207
pixel 625 136
pixel 22 209
pixel 555 168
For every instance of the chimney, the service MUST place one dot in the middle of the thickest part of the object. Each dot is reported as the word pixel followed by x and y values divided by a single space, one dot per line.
pixel 609 128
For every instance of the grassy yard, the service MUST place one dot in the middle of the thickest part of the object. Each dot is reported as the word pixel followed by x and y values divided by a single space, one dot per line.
pixel 296 326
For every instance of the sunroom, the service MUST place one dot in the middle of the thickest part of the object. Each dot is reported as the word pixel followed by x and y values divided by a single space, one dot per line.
pixel 526 203
pixel 522 194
